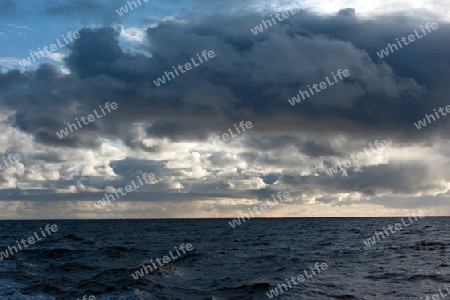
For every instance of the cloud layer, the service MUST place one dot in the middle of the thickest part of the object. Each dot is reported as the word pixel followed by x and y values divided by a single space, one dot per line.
pixel 167 130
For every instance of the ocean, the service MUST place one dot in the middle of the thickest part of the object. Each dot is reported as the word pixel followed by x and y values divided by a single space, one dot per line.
pixel 96 258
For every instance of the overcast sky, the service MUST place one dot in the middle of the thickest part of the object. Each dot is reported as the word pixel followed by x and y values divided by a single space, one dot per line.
pixel 167 130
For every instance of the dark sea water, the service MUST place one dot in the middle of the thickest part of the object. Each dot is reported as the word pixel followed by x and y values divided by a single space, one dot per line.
pixel 97 258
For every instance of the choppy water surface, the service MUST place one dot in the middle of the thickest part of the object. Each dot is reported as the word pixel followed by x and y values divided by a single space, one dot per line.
pixel 98 257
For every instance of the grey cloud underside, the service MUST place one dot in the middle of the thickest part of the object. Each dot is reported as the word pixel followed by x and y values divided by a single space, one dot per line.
pixel 250 78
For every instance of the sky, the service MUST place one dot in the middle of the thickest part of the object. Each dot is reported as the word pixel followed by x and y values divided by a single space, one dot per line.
pixel 169 130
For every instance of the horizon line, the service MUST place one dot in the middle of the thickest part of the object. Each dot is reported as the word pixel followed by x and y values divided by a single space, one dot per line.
pixel 214 218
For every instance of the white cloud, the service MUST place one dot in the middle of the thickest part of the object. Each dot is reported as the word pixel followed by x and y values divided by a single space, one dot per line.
pixel 133 34
pixel 56 56
pixel 377 8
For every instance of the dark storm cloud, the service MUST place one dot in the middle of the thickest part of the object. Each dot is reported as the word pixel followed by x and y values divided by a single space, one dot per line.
pixel 13 79
pixel 375 95
pixel 47 72
pixel 421 60
pixel 241 82
pixel 95 53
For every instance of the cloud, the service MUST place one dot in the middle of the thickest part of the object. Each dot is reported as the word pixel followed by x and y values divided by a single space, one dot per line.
pixel 166 130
